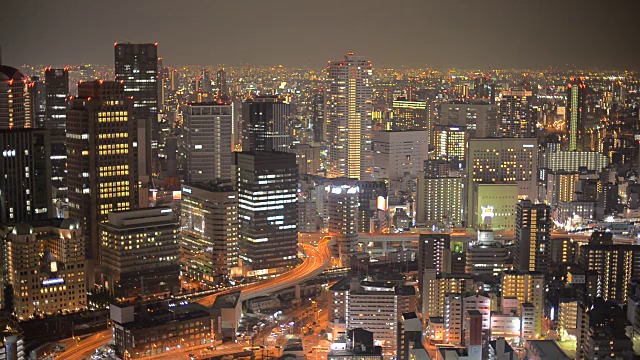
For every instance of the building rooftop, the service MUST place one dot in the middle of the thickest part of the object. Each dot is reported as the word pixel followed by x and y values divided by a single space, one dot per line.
pixel 546 349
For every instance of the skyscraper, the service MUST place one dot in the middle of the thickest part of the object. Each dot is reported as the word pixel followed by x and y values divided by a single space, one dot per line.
pixel 221 83
pixel 515 114
pixel 57 82
pixel 209 235
pixel 25 184
pixel 343 202
pixel 137 66
pixel 206 141
pixel 15 102
pixel 265 124
pixel 576 112
pixel 102 156
pixel 411 115
pixel 319 122
pixel 348 116
pixel 268 211
pixel 533 236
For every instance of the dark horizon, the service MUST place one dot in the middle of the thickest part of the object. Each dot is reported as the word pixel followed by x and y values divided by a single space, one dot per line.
pixel 494 34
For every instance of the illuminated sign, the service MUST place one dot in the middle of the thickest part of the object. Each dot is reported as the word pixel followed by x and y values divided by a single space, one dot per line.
pixel 527 146
pixel 54 281
pixel 187 190
pixel 164 211
pixel 487 211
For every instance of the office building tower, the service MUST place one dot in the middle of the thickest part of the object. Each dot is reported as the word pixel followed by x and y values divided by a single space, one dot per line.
pixel 486 256
pixel 576 112
pixel 268 211
pixel 46 267
pixel 206 141
pixel 38 100
pixel 265 124
pixel 136 65
pixel 342 202
pixel 527 287
pixel 25 184
pixel 102 156
pixel 493 206
pixel 378 307
pixel 319 121
pixel 140 252
pixel 307 158
pixel 515 118
pixel 57 82
pixel 410 341
pixel 436 168
pixel 221 83
pixel 15 102
pixel 435 288
pixel 479 120
pixel 410 114
pixel 450 143
pixel 209 231
pixel 349 120
pixel 503 160
pixel 396 153
pixel 439 201
pixel 373 206
pixel 533 235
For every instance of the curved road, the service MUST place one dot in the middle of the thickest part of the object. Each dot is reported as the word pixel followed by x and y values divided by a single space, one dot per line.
pixel 318 259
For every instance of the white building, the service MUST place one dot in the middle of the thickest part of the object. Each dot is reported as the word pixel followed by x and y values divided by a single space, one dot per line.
pixel 399 152
pixel 439 201
pixel 572 161
pixel 348 114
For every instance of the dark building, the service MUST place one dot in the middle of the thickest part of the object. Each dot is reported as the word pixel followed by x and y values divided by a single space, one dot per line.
pixel 533 234
pixel 37 100
pixel 319 123
pixel 221 83
pixel 15 100
pixel 515 117
pixel 265 124
pixel 137 66
pixel 57 82
pixel 102 156
pixel 25 187
pixel 432 249
pixel 370 191
pixel 576 113
pixel 603 335
pixel 268 210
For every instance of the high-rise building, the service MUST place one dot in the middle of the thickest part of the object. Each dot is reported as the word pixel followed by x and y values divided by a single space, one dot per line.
pixel 268 211
pixel 479 120
pixel 486 256
pixel 515 117
pixel 411 115
pixel 265 124
pixel 221 83
pixel 57 82
pixel 319 121
pixel 136 65
pixel 140 252
pixel 533 235
pixel 503 160
pixel 342 202
pixel 349 121
pixel 450 143
pixel 206 141
pixel 38 101
pixel 439 201
pixel 435 288
pixel 25 184
pixel 102 156
pixel 572 161
pixel 398 152
pixel 576 112
pixel 373 205
pixel 432 250
pixel 209 235
pixel 15 102
pixel 615 265
pixel 46 266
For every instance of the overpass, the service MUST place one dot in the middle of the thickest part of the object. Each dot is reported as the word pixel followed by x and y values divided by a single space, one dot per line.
pixel 318 259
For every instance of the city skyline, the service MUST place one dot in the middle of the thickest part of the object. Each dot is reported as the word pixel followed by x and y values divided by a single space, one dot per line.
pixel 582 34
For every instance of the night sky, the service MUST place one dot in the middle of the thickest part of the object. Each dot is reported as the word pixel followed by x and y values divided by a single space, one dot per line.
pixel 438 33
